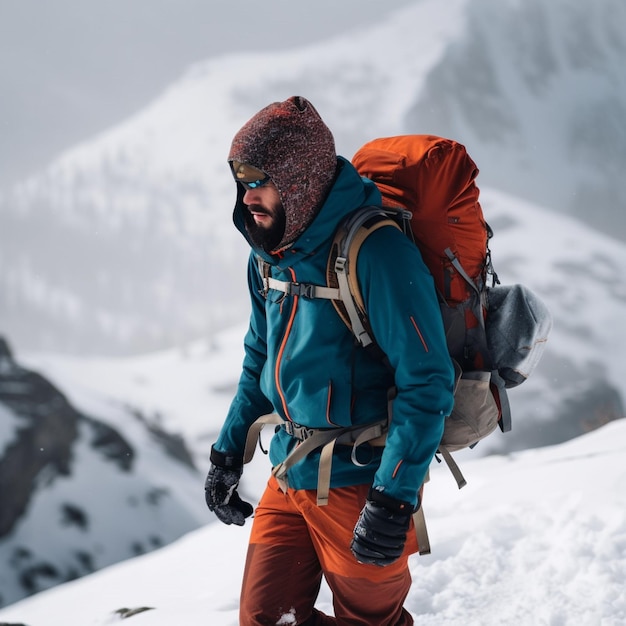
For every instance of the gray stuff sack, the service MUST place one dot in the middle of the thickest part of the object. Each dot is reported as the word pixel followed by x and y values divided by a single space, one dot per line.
pixel 517 327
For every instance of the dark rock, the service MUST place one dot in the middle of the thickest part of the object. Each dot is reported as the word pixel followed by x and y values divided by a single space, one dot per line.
pixel 46 428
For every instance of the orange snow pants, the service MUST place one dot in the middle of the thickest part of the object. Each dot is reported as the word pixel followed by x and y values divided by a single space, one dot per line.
pixel 294 542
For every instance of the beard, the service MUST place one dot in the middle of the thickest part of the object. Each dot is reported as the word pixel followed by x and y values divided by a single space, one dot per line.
pixel 266 237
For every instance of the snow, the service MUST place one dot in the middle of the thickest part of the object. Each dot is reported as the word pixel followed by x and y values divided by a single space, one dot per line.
pixel 536 537
pixel 186 389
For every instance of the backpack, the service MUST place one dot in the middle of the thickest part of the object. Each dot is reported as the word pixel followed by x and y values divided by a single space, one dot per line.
pixel 429 190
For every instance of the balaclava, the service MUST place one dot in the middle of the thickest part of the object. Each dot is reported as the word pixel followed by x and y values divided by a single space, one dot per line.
pixel 292 145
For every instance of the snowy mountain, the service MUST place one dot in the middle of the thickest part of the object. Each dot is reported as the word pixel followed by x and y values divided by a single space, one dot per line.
pixel 541 542
pixel 80 490
pixel 124 243
pixel 537 91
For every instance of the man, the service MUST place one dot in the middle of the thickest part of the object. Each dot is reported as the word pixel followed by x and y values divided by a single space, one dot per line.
pixel 302 363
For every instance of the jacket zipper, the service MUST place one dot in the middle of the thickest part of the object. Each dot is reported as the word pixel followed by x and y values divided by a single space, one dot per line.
pixel 281 351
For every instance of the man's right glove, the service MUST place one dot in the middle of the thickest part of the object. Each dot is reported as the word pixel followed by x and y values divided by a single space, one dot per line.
pixel 221 489
pixel 380 532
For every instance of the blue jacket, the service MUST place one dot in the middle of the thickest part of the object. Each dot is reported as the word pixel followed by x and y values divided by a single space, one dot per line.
pixel 302 362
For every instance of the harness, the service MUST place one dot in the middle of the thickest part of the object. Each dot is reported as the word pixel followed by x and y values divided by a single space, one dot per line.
pixel 310 439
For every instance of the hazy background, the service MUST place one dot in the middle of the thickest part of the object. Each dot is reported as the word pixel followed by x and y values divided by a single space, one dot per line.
pixel 71 68
pixel 115 119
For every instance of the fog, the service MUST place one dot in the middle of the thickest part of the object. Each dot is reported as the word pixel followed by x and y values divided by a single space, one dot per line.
pixel 71 68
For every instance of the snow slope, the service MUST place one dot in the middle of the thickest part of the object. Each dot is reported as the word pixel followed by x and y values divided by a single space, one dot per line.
pixel 82 488
pixel 536 537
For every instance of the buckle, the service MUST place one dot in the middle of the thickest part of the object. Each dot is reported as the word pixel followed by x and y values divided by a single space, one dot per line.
pixel 266 287
pixel 305 290
pixel 301 433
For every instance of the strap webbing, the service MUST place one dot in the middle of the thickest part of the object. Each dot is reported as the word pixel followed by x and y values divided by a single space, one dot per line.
pixel 505 405
pixel 374 434
pixel 324 472
pixel 423 542
pixel 345 270
pixel 459 268
pixel 326 439
pixel 317 440
pixel 307 290
pixel 254 433
pixel 358 329
pixel 452 466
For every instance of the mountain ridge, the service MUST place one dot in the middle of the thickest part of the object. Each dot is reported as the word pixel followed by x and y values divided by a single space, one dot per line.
pixel 112 249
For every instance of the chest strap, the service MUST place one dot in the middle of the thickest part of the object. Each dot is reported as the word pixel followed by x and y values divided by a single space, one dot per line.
pixel 289 288
pixel 306 290
pixel 311 291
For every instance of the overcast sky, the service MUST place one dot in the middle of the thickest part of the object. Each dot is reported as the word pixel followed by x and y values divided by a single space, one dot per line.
pixel 70 68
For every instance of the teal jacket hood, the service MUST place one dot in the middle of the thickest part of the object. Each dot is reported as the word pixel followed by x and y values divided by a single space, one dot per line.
pixel 348 192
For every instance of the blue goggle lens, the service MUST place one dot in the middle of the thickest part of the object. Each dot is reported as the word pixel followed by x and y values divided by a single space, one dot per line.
pixel 249 176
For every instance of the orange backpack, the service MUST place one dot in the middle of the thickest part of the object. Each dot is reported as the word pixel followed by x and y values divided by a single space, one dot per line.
pixel 433 178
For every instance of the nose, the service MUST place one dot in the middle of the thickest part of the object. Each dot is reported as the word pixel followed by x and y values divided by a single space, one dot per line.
pixel 255 195
pixel 249 196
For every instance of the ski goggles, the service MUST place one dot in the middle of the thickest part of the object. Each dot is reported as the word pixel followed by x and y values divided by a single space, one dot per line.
pixel 250 177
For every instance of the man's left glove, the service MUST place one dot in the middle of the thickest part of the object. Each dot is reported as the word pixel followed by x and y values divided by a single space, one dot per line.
pixel 221 489
pixel 380 532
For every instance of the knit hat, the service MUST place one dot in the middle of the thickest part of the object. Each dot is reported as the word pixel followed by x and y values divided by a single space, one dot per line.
pixel 292 145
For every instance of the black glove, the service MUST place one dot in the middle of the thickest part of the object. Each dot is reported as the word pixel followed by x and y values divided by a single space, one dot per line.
pixel 220 489
pixel 380 532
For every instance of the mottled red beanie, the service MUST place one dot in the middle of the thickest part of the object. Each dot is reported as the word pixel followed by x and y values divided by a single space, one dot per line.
pixel 292 145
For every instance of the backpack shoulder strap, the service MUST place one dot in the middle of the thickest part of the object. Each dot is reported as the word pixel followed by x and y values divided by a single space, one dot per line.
pixel 342 261
pixel 342 286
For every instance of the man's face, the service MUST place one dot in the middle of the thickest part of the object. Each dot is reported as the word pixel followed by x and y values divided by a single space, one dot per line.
pixel 264 216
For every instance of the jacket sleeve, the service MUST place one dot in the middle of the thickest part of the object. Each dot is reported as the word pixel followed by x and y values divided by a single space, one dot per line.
pixel 249 402
pixel 403 309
